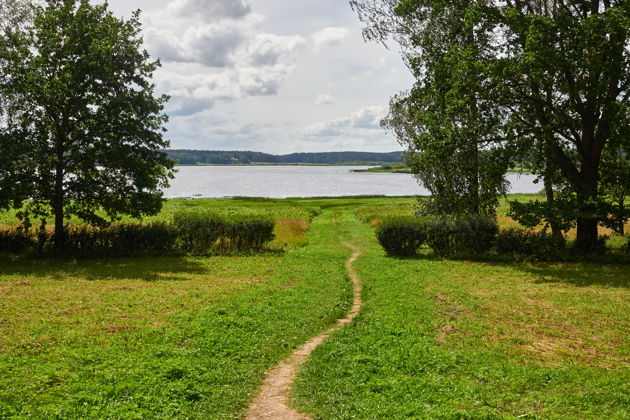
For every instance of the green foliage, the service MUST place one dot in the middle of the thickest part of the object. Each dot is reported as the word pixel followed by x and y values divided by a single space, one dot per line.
pixel 449 121
pixel 121 240
pixel 566 211
pixel 401 236
pixel 541 245
pixel 535 213
pixel 543 81
pixel 82 241
pixel 194 233
pixel 461 236
pixel 16 241
pixel 82 128
pixel 203 233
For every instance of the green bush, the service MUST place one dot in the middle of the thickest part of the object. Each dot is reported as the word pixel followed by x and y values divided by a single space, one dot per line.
pixel 121 240
pixel 541 245
pixel 203 233
pixel 461 236
pixel 157 238
pixel 197 233
pixel 16 241
pixel 401 236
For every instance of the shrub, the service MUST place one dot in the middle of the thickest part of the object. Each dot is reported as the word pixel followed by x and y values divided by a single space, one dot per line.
pixel 461 236
pixel 197 233
pixel 158 238
pixel 541 245
pixel 245 233
pixel 202 233
pixel 121 240
pixel 401 236
pixel 16 241
pixel 84 241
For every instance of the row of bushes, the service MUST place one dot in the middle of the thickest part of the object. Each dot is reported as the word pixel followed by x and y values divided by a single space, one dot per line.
pixel 403 235
pixel 465 236
pixel 200 234
pixel 192 234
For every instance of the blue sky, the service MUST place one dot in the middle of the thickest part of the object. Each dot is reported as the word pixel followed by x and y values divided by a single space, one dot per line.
pixel 277 76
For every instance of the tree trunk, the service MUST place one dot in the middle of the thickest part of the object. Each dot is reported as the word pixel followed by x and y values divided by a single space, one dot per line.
pixel 475 205
pixel 556 232
pixel 59 239
pixel 587 233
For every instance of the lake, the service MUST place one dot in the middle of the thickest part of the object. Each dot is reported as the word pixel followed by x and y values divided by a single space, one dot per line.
pixel 303 181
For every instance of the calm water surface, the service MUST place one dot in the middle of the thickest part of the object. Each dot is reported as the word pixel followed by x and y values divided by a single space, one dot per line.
pixel 302 181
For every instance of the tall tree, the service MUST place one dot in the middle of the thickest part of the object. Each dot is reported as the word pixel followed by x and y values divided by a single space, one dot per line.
pixel 448 121
pixel 567 69
pixel 562 69
pixel 82 111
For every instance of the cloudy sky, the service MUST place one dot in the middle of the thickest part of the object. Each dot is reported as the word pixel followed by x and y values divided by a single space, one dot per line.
pixel 276 76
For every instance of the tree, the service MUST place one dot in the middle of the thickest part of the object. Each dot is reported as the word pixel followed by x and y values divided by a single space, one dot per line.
pixel 448 121
pixel 82 114
pixel 567 69
pixel 615 179
pixel 561 69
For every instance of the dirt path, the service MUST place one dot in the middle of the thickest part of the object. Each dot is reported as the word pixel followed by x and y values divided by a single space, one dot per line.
pixel 273 399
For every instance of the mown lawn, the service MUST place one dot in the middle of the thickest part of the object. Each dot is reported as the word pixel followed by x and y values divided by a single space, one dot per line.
pixel 193 337
pixel 161 337
pixel 441 339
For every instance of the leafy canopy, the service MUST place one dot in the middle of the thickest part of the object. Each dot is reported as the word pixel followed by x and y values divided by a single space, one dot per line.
pixel 82 129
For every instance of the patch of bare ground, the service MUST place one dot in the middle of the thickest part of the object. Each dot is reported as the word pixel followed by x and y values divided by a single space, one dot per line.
pixel 273 399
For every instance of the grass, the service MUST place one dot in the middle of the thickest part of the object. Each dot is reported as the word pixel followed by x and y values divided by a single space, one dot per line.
pixel 455 339
pixel 161 338
pixel 397 168
pixel 278 209
pixel 193 337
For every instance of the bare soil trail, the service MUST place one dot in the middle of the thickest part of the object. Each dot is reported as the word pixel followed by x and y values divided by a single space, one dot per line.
pixel 273 399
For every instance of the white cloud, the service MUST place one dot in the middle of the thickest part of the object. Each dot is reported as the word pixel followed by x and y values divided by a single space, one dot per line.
pixel 329 36
pixel 363 121
pixel 212 50
pixel 192 93
pixel 324 99
pixel 267 49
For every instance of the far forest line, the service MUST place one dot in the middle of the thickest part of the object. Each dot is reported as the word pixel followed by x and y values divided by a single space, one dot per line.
pixel 218 157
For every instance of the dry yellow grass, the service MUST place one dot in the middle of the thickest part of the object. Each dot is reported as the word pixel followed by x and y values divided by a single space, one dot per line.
pixel 290 232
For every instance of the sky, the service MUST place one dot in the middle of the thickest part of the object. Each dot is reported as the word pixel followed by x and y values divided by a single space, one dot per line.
pixel 277 76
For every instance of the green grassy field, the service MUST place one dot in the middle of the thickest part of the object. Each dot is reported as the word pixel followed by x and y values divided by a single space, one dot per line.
pixel 441 339
pixel 161 337
pixel 193 337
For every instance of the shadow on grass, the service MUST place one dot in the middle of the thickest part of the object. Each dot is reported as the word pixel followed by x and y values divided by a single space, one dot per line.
pixel 579 274
pixel 145 268
pixel 610 270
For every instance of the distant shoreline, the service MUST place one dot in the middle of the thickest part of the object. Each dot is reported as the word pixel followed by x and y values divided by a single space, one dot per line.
pixel 367 164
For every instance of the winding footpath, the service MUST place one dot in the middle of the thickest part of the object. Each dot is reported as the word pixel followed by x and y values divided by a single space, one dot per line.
pixel 273 399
